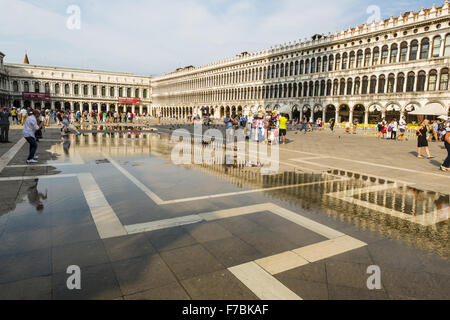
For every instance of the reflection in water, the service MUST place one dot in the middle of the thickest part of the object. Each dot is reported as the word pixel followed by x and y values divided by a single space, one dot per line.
pixel 311 197
pixel 35 197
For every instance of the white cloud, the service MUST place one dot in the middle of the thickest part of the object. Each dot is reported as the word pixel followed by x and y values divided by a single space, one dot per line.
pixel 152 37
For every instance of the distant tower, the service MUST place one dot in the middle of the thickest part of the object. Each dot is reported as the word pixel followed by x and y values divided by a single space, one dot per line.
pixel 25 60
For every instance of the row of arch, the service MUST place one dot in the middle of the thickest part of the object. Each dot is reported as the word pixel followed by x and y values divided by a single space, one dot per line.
pixel 434 80
pixel 78 89
pixel 412 50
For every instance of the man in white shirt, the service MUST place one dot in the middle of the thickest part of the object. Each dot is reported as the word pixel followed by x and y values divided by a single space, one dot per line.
pixel 402 128
pixel 29 129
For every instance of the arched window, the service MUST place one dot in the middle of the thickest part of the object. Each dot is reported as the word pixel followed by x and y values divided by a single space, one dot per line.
pixel 311 89
pixel 324 64
pixel 344 61
pixel 351 63
pixel 128 92
pixel 365 85
pixel 330 63
pixel 421 79
pixel 376 56
pixel 338 62
pixel 103 91
pixel 342 87
pixel 94 91
pixel 400 82
pixel 403 51
pixel 302 65
pixel 410 82
pixel 120 92
pixel 319 64
pixel 414 49
pixel 57 88
pixel 443 85
pixel 359 59
pixel 37 87
pixel 335 87
pixel 277 71
pixel 322 88
pixel 294 90
pixel 432 80
pixel 112 92
pixel 447 46
pixel 329 86
pixel 305 89
pixel 384 54
pixel 307 66
pixel 85 90
pixel 437 42
pixel 349 86
pixel 291 69
pixel 368 55
pixel 282 70
pixel 47 87
pixel 394 53
pixel 373 84
pixel 76 89
pixel 381 83
pixel 136 93
pixel 424 48
pixel 313 65
pixel 357 86
pixel 296 68
pixel 300 90
pixel 316 88
pixel 15 86
pixel 391 83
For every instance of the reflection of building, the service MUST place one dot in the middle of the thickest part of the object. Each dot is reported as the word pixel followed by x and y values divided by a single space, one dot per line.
pixel 380 69
pixel 72 89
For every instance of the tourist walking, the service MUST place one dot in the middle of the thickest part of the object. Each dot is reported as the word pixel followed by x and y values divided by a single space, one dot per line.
pixel 422 140
pixel 29 129
pixel 4 125
pixel 433 131
pixel 283 128
pixel 394 129
pixel 14 116
pixel 332 124
pixel 402 128
pixel 446 165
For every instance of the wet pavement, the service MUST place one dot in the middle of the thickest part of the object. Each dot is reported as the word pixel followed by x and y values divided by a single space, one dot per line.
pixel 139 227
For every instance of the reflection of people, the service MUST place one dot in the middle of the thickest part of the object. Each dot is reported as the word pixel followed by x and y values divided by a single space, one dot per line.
pixel 34 196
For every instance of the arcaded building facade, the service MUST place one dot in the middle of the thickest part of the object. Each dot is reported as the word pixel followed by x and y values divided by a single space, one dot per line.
pixel 26 85
pixel 385 69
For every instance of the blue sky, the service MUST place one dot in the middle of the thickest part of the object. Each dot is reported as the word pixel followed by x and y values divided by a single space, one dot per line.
pixel 151 37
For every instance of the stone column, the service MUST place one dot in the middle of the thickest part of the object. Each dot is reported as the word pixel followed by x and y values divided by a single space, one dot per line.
pixel 350 117
pixel 366 117
pixel 336 118
pixel 90 107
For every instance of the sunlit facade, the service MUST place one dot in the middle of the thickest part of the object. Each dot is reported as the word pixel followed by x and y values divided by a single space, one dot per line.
pixel 73 89
pixel 384 69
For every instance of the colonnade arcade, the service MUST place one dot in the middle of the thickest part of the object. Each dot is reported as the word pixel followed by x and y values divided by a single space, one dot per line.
pixel 83 106
pixel 365 113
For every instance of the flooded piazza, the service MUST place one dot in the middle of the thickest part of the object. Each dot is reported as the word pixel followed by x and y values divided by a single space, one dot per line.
pixel 112 202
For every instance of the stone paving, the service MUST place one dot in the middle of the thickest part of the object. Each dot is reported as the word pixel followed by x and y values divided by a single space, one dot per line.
pixel 141 228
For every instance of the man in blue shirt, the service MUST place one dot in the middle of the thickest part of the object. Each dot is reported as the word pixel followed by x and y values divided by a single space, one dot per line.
pixel 229 130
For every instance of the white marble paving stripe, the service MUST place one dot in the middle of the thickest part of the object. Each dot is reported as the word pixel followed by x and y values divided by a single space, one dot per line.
pixel 49 164
pixel 361 173
pixel 139 184
pixel 230 194
pixel 9 155
pixel 107 223
pixel 235 212
pixel 261 283
pixel 281 262
pixel 326 249
pixel 163 224
pixel 305 222
pixel 371 164
pixel 56 176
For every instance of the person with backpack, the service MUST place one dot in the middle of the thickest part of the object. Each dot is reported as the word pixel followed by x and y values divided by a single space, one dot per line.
pixel 446 137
